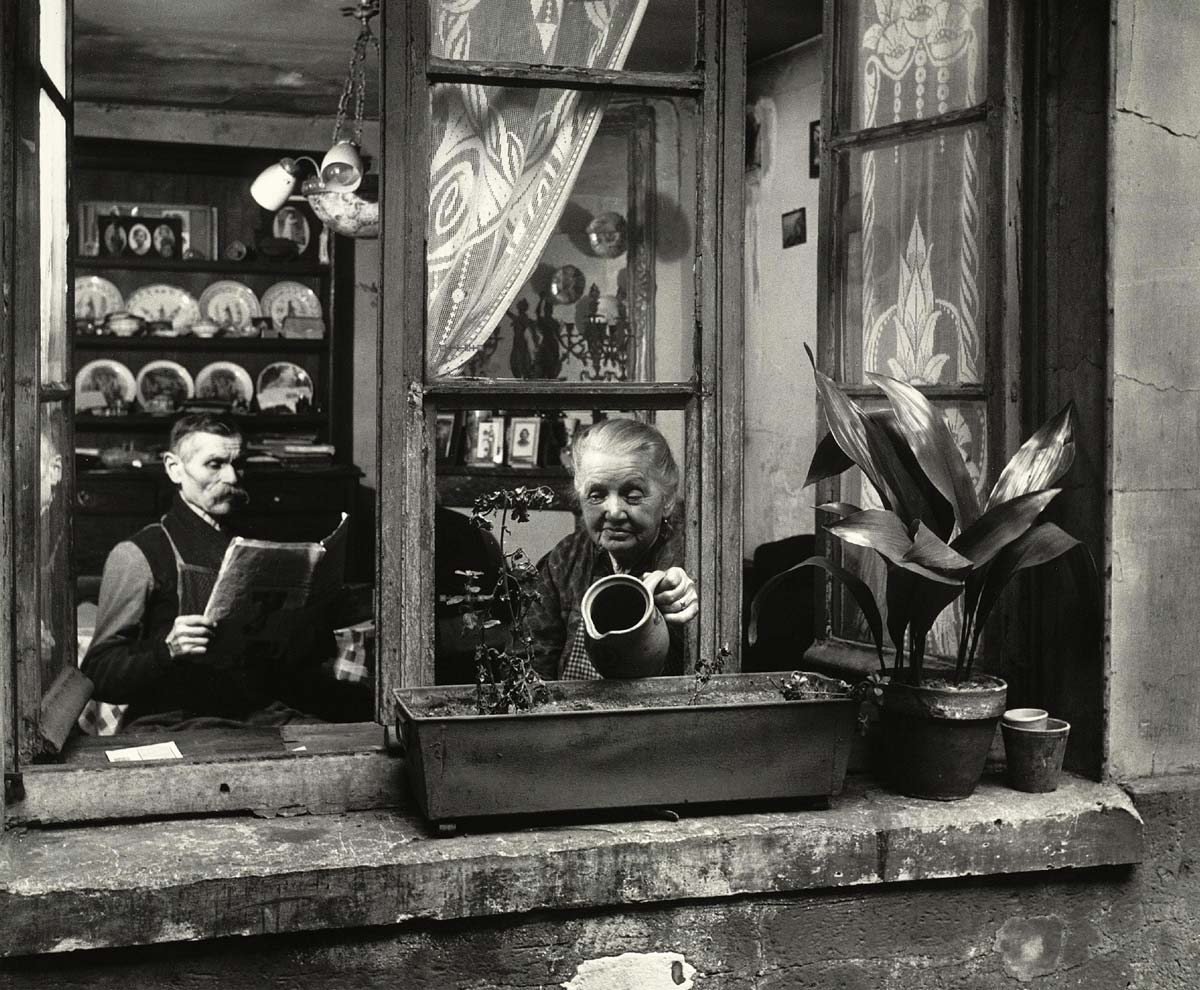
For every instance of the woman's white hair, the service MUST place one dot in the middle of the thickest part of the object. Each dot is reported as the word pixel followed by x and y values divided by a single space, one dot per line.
pixel 625 438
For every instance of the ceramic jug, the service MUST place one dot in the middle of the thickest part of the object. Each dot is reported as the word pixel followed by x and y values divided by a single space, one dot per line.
pixel 626 635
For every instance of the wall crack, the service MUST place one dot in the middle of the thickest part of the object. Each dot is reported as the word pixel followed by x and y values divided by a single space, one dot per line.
pixel 1181 389
pixel 1154 123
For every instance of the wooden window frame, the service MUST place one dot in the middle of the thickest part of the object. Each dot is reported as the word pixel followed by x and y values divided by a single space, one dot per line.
pixel 356 773
pixel 1000 113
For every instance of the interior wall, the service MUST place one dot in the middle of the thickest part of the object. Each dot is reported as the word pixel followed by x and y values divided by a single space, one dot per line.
pixel 784 94
pixel 1154 695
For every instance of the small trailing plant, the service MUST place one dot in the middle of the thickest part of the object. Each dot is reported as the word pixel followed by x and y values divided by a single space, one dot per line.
pixel 505 679
pixel 705 669
pixel 801 687
pixel 938 542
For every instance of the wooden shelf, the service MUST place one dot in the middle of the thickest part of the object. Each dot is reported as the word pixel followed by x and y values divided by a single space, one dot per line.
pixel 281 268
pixel 459 485
pixel 111 342
pixel 149 421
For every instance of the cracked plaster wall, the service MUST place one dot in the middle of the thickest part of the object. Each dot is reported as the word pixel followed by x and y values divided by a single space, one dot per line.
pixel 1155 250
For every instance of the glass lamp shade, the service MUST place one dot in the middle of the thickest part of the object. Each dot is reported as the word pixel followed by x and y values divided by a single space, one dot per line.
pixel 342 168
pixel 275 184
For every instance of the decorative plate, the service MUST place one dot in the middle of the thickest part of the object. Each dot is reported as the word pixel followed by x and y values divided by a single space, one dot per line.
pixel 225 381
pixel 162 386
pixel 104 383
pixel 606 235
pixel 567 285
pixel 283 385
pixel 96 297
pixel 284 299
pixel 164 302
pixel 230 304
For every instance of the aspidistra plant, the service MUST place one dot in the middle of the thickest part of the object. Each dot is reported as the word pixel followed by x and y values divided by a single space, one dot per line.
pixel 936 540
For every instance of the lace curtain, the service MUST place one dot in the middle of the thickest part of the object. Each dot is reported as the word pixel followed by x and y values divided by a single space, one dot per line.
pixel 505 159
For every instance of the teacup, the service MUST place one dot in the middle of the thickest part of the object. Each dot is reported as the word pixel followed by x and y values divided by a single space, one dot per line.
pixel 1026 718
pixel 205 328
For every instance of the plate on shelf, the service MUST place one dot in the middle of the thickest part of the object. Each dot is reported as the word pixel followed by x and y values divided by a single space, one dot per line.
pixel 225 381
pixel 104 384
pixel 162 386
pixel 284 386
pixel 284 299
pixel 230 304
pixel 96 297
pixel 164 302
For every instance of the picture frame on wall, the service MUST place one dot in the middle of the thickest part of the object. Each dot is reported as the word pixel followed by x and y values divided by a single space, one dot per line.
pixel 196 231
pixel 480 439
pixel 446 436
pixel 140 237
pixel 523 436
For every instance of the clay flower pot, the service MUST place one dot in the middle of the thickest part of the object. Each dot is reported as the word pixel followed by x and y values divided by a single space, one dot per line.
pixel 1034 756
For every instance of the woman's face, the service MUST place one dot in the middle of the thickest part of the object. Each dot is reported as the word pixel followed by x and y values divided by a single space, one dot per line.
pixel 623 505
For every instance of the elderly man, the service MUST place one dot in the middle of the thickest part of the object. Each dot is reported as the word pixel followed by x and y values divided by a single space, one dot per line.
pixel 153 649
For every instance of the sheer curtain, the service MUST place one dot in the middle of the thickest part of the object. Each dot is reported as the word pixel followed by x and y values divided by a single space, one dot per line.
pixel 505 159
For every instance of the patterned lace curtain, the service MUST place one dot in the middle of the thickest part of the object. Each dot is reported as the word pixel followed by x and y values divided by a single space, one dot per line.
pixel 505 159
pixel 916 261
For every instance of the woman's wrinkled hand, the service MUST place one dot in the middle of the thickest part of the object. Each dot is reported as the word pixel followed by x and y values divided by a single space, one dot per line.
pixel 675 594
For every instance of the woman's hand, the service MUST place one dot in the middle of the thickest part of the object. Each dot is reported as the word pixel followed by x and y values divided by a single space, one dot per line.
pixel 675 594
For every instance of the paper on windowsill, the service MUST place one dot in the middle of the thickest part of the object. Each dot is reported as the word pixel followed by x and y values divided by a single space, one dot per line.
pixel 139 754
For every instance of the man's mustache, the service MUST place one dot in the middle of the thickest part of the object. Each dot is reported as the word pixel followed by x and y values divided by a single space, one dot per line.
pixel 232 493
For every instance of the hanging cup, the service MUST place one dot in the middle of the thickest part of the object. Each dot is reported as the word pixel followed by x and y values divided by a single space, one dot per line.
pixel 626 635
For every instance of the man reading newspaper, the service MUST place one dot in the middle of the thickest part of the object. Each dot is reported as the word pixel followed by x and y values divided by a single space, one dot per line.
pixel 256 651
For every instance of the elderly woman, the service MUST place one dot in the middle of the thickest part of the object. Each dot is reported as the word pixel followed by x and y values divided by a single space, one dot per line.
pixel 628 486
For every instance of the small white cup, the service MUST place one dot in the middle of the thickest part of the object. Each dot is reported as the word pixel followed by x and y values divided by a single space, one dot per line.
pixel 1026 718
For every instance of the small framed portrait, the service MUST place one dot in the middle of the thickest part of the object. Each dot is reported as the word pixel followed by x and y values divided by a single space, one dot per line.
pixel 172 231
pixel 113 238
pixel 523 442
pixel 795 228
pixel 140 240
pixel 296 222
pixel 445 430
pixel 480 439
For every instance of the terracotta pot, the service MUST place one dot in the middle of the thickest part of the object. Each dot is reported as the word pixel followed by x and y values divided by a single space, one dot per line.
pixel 627 635
pixel 936 739
pixel 1034 755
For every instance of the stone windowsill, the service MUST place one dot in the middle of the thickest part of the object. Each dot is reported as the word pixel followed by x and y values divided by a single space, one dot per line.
pixel 133 884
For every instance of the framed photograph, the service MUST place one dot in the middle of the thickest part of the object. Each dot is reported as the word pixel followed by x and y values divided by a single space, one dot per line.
pixel 523 442
pixel 140 237
pixel 480 439
pixel 814 150
pixel 446 435
pixel 195 234
pixel 795 228
pixel 295 221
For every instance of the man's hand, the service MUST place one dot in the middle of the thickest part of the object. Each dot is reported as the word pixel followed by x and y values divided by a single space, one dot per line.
pixel 674 593
pixel 189 635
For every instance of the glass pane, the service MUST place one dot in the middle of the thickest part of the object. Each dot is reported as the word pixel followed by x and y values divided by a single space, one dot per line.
pixel 485 451
pixel 968 425
pixel 656 35
pixel 52 177
pixel 561 236
pixel 907 61
pixel 55 600
pixel 52 26
pixel 914 255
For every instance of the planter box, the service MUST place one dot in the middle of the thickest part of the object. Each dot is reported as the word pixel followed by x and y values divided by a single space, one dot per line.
pixel 615 744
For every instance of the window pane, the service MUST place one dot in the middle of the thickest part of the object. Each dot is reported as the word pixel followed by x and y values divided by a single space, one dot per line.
pixel 968 425
pixel 561 236
pixel 476 463
pixel 52 26
pixel 913 259
pixel 55 599
pixel 910 60
pixel 612 34
pixel 52 177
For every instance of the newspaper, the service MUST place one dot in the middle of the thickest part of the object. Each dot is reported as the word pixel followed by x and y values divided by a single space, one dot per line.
pixel 262 584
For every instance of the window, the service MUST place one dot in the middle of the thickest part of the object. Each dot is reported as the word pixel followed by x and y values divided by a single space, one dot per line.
pixel 919 281
pixel 542 148
pixel 649 125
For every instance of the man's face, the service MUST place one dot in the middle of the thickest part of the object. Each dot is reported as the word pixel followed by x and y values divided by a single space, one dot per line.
pixel 208 471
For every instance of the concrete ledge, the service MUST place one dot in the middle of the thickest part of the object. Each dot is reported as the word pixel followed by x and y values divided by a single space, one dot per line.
pixel 134 884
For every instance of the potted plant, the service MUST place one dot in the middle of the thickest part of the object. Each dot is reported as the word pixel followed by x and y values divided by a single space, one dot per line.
pixel 512 744
pixel 938 543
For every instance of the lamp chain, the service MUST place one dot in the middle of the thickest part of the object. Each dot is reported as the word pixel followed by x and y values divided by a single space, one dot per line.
pixel 356 74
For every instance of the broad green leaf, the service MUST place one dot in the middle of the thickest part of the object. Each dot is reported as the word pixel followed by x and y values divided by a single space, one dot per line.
pixel 839 509
pixel 854 584
pixel 934 447
pixel 886 534
pixel 829 460
pixel 1038 545
pixel 1002 524
pixel 848 426
pixel 913 603
pixel 930 551
pixel 1042 460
